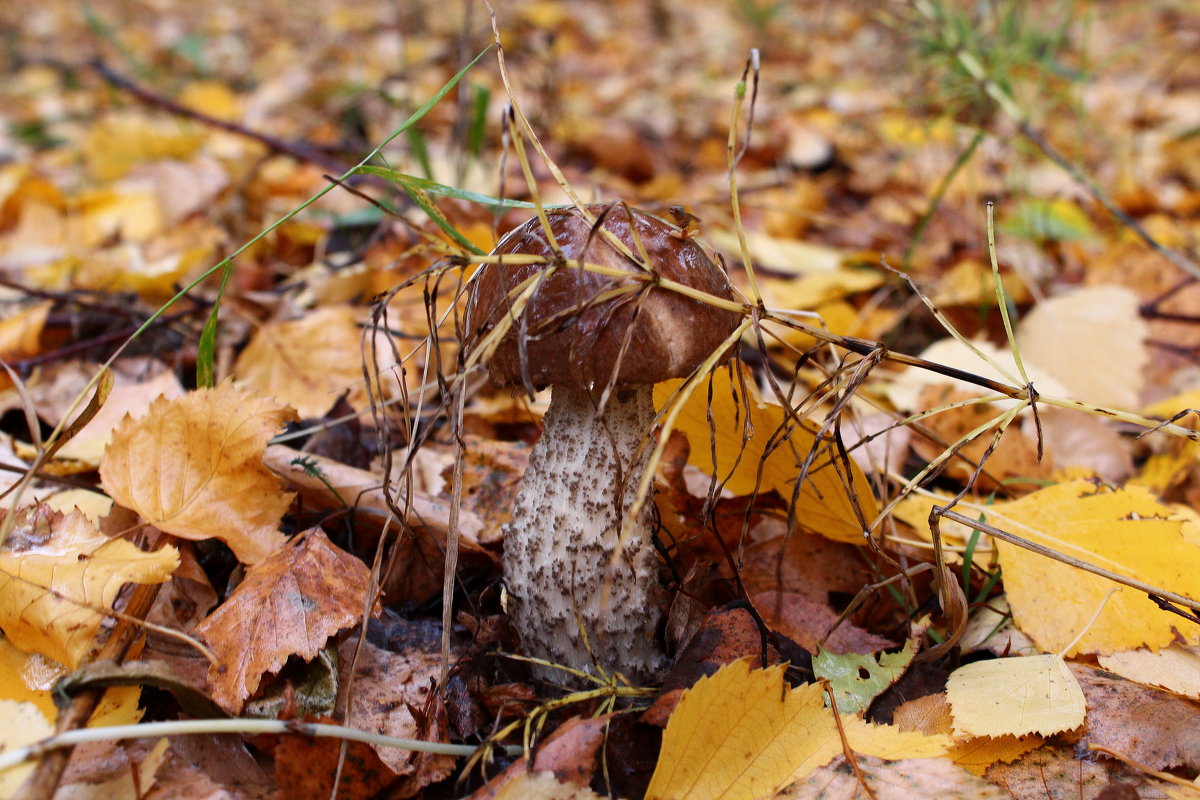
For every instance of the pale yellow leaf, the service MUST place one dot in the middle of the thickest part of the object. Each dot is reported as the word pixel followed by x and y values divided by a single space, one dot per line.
pixel 21 724
pixel 193 467
pixel 740 734
pixel 1124 530
pixel 57 574
pixel 759 447
pixel 888 741
pixel 129 396
pixel 1175 668
pixel 1015 696
pixel 1092 341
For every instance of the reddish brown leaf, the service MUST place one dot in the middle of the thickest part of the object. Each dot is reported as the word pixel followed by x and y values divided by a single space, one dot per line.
pixel 288 605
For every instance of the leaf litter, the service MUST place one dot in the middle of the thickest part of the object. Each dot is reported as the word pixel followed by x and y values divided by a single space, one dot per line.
pixel 782 542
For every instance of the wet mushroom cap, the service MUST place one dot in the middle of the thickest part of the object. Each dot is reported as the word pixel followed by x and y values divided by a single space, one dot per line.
pixel 572 338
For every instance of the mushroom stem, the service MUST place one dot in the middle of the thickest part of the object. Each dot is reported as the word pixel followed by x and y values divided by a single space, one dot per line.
pixel 559 545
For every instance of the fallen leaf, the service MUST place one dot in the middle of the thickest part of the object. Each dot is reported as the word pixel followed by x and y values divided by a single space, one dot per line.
pixel 58 575
pixel 395 694
pixel 568 757
pixel 854 689
pixel 1123 530
pixel 892 780
pixel 741 734
pixel 23 724
pixel 979 753
pixel 542 786
pixel 1015 696
pixel 287 605
pixel 308 362
pixel 758 447
pixel 807 622
pixel 1091 341
pixel 1145 725
pixel 193 467
pixel 305 766
pixel 1175 668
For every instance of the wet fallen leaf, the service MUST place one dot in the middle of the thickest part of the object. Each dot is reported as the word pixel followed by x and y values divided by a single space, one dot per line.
pixel 193 467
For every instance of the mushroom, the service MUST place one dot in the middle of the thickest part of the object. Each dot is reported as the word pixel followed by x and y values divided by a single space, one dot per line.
pixel 581 332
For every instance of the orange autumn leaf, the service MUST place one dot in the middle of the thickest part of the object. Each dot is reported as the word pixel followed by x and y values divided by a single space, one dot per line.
pixel 192 466
pixel 308 362
pixel 773 455
pixel 1125 531
pixel 288 605
pixel 57 576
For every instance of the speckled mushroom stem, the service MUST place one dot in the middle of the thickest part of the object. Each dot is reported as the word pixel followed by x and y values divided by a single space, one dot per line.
pixel 560 542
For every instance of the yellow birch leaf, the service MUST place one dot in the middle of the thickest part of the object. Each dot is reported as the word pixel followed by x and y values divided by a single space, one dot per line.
pixel 193 467
pixel 1175 668
pixel 22 724
pixel 977 754
pixel 1015 696
pixel 1124 530
pixel 56 573
pixel 740 733
pixel 888 741
pixel 772 456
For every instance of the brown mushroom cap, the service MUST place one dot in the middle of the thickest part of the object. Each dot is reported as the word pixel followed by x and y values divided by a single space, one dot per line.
pixel 572 340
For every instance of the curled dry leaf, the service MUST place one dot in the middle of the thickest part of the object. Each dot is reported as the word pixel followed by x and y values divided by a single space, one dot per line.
pixel 288 605
pixel 193 467
pixel 58 574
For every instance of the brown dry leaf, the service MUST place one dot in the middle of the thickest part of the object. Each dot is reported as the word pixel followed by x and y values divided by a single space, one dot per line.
pixel 1013 462
pixel 772 457
pixel 569 755
pixel 1145 725
pixel 288 605
pixel 109 771
pixel 807 621
pixel 1015 696
pixel 305 767
pixel 193 467
pixel 1123 530
pixel 57 576
pixel 129 396
pixel 21 333
pixel 396 694
pixel 892 780
pixel 1054 772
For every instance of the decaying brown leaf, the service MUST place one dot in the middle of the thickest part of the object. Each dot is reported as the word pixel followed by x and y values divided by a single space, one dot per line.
pixel 288 605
